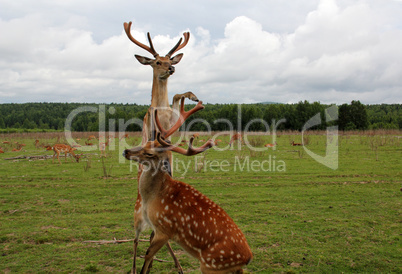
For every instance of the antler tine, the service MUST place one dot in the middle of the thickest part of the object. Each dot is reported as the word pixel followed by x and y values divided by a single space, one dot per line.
pixel 162 141
pixel 183 116
pixel 127 27
pixel 179 45
pixel 152 45
pixel 190 151
pixel 193 151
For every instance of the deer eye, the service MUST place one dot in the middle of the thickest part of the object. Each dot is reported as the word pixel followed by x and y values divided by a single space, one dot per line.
pixel 158 63
pixel 148 154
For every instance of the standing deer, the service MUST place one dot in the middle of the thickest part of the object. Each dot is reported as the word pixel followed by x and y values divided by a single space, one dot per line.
pixel 163 68
pixel 179 212
pixel 66 149
pixel 103 145
pixel 235 137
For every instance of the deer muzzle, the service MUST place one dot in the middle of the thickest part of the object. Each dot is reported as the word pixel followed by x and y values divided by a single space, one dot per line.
pixel 171 70
pixel 131 154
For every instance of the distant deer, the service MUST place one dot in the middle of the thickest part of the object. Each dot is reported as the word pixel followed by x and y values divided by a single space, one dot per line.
pixel 125 136
pixel 235 137
pixel 102 147
pixel 296 144
pixel 19 147
pixel 163 68
pixel 270 145
pixel 66 149
pixel 177 211
pixel 90 137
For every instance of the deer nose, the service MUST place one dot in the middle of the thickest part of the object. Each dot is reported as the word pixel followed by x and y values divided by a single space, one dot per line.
pixel 171 69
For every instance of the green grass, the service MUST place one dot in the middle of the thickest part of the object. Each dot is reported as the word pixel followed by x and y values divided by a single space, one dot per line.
pixel 303 217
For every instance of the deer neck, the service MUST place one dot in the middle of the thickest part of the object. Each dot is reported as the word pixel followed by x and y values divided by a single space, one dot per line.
pixel 159 92
pixel 152 180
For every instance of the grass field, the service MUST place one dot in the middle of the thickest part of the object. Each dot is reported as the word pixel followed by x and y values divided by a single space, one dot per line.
pixel 297 214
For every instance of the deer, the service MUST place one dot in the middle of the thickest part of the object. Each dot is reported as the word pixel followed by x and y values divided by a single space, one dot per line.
pixel 60 148
pixel 270 145
pixel 163 68
pixel 177 211
pixel 235 137
pixel 296 144
pixel 125 136
pixel 103 145
pixel 90 137
pixel 19 147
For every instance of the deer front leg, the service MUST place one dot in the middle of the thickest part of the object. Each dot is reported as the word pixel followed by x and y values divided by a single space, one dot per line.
pixel 157 243
pixel 58 157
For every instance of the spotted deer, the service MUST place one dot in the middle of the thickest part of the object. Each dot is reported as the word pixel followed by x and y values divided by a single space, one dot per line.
pixel 66 149
pixel 177 211
pixel 163 68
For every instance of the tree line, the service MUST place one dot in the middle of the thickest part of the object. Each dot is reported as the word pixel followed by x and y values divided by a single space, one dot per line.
pixel 215 117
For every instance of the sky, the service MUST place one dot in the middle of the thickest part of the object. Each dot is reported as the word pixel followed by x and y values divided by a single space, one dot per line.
pixel 285 51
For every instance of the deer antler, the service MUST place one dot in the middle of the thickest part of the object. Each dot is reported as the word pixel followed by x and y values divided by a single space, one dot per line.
pixel 127 27
pixel 179 45
pixel 183 116
pixel 163 134
pixel 190 151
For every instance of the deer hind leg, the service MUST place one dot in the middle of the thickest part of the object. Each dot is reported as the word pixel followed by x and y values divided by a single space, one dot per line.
pixel 176 103
pixel 188 95
pixel 157 243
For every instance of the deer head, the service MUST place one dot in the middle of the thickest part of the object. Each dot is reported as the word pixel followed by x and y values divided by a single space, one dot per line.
pixel 163 66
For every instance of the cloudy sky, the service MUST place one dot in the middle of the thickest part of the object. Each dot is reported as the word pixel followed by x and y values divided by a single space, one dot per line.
pixel 239 51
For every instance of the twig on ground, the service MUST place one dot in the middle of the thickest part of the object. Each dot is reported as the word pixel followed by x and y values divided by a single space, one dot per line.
pixel 158 260
pixel 114 241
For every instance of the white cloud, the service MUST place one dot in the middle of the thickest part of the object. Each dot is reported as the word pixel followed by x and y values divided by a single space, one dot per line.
pixel 343 51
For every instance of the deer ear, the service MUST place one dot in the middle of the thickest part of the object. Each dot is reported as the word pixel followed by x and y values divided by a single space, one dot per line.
pixel 143 60
pixel 176 59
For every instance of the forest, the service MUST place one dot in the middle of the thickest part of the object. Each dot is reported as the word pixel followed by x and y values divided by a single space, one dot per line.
pixel 215 117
